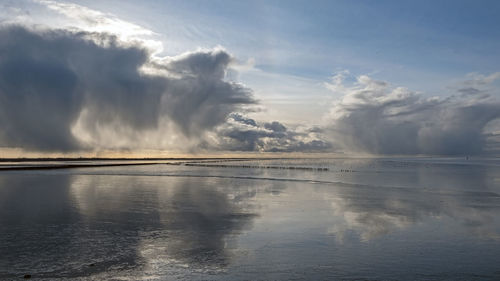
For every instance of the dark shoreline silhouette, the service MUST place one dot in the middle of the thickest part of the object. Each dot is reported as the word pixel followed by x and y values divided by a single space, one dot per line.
pixel 23 159
pixel 66 166
pixel 112 162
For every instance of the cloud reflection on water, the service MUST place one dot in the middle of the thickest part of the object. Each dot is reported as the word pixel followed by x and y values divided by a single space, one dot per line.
pixel 190 221
pixel 464 194
pixel 57 224
pixel 77 225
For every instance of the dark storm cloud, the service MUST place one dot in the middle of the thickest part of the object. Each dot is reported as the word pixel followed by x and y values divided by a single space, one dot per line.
pixel 241 133
pixel 38 92
pixel 201 99
pixel 372 117
pixel 48 79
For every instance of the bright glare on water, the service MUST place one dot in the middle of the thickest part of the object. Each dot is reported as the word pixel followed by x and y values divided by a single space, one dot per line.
pixel 320 219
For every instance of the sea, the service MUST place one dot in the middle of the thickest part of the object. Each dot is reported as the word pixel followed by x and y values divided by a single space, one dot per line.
pixel 397 218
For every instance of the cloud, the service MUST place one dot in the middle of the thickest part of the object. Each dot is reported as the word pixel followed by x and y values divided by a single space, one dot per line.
pixel 96 21
pixel 241 133
pixel 205 95
pixel 374 117
pixel 64 91
pixel 69 90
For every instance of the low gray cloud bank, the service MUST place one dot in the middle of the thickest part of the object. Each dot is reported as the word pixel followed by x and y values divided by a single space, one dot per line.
pixel 53 80
pixel 241 133
pixel 373 117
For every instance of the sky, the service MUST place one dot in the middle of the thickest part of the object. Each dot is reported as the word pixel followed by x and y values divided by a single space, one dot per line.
pixel 189 77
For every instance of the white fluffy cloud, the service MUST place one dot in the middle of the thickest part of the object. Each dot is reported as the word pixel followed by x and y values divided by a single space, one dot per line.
pixel 374 117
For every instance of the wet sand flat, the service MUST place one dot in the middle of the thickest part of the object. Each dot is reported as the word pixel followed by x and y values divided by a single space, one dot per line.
pixel 282 219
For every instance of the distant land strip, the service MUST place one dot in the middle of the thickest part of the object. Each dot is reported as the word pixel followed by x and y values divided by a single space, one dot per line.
pixel 67 166
pixel 23 159
pixel 80 162
pixel 189 159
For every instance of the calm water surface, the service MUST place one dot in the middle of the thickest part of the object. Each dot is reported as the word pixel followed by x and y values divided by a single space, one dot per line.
pixel 327 219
